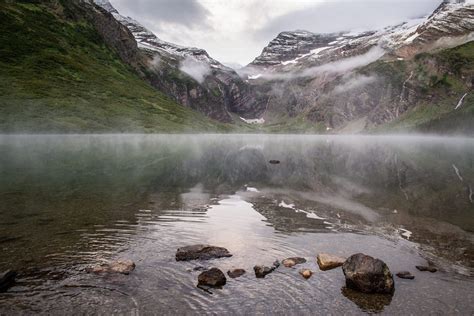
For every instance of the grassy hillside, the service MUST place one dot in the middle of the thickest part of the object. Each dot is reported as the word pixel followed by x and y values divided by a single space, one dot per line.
pixel 440 80
pixel 57 75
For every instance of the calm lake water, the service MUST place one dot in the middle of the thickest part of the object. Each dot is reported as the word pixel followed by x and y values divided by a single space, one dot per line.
pixel 71 202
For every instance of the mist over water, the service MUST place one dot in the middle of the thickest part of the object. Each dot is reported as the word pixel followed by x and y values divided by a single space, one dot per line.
pixel 69 202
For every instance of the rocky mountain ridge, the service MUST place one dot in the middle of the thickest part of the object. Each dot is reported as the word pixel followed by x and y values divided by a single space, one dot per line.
pixel 190 75
pixel 352 82
pixel 296 50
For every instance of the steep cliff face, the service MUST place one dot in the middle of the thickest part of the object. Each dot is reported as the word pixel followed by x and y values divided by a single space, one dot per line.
pixel 58 74
pixel 187 74
pixel 348 82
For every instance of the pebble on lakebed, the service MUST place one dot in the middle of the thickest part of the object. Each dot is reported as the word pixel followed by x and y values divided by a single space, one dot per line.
pixel 119 266
pixel 306 273
pixel 201 252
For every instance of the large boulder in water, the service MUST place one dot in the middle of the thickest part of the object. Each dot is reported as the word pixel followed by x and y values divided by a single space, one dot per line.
pixel 366 274
pixel 201 252
pixel 212 277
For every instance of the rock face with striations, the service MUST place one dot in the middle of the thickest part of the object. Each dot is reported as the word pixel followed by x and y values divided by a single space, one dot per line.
pixel 201 252
pixel 366 274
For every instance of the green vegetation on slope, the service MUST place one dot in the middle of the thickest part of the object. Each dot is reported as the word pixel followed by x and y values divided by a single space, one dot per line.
pixel 440 79
pixel 57 75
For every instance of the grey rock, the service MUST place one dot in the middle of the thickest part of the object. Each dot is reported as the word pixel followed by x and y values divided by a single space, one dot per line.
pixel 366 274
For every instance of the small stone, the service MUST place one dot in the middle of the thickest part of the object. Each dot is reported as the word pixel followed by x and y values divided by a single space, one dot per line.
pixel 262 271
pixel 368 275
pixel 405 275
pixel 212 277
pixel 274 162
pixel 306 273
pixel 235 273
pixel 119 266
pixel 7 280
pixel 290 262
pixel 201 252
pixel 427 268
pixel 328 262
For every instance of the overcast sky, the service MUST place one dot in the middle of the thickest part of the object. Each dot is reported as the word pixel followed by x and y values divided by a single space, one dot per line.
pixel 237 30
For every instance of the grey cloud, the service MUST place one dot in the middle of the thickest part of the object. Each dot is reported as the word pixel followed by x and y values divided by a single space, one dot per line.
pixel 340 15
pixel 188 13
pixel 339 66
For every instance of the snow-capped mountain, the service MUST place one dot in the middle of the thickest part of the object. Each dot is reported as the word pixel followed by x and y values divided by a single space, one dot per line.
pixel 346 81
pixel 147 40
pixel 298 50
pixel 352 81
pixel 216 90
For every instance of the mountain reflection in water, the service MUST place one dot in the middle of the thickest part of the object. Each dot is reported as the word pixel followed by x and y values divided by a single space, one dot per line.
pixel 68 202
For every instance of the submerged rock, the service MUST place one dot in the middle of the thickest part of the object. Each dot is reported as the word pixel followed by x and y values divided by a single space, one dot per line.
pixel 405 275
pixel 427 268
pixel 328 262
pixel 262 271
pixel 235 273
pixel 201 252
pixel 212 277
pixel 119 266
pixel 368 275
pixel 306 273
pixel 290 262
pixel 7 280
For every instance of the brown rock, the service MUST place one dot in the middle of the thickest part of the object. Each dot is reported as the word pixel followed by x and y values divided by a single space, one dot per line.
pixel 201 252
pixel 328 262
pixel 306 273
pixel 290 262
pixel 212 277
pixel 235 273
